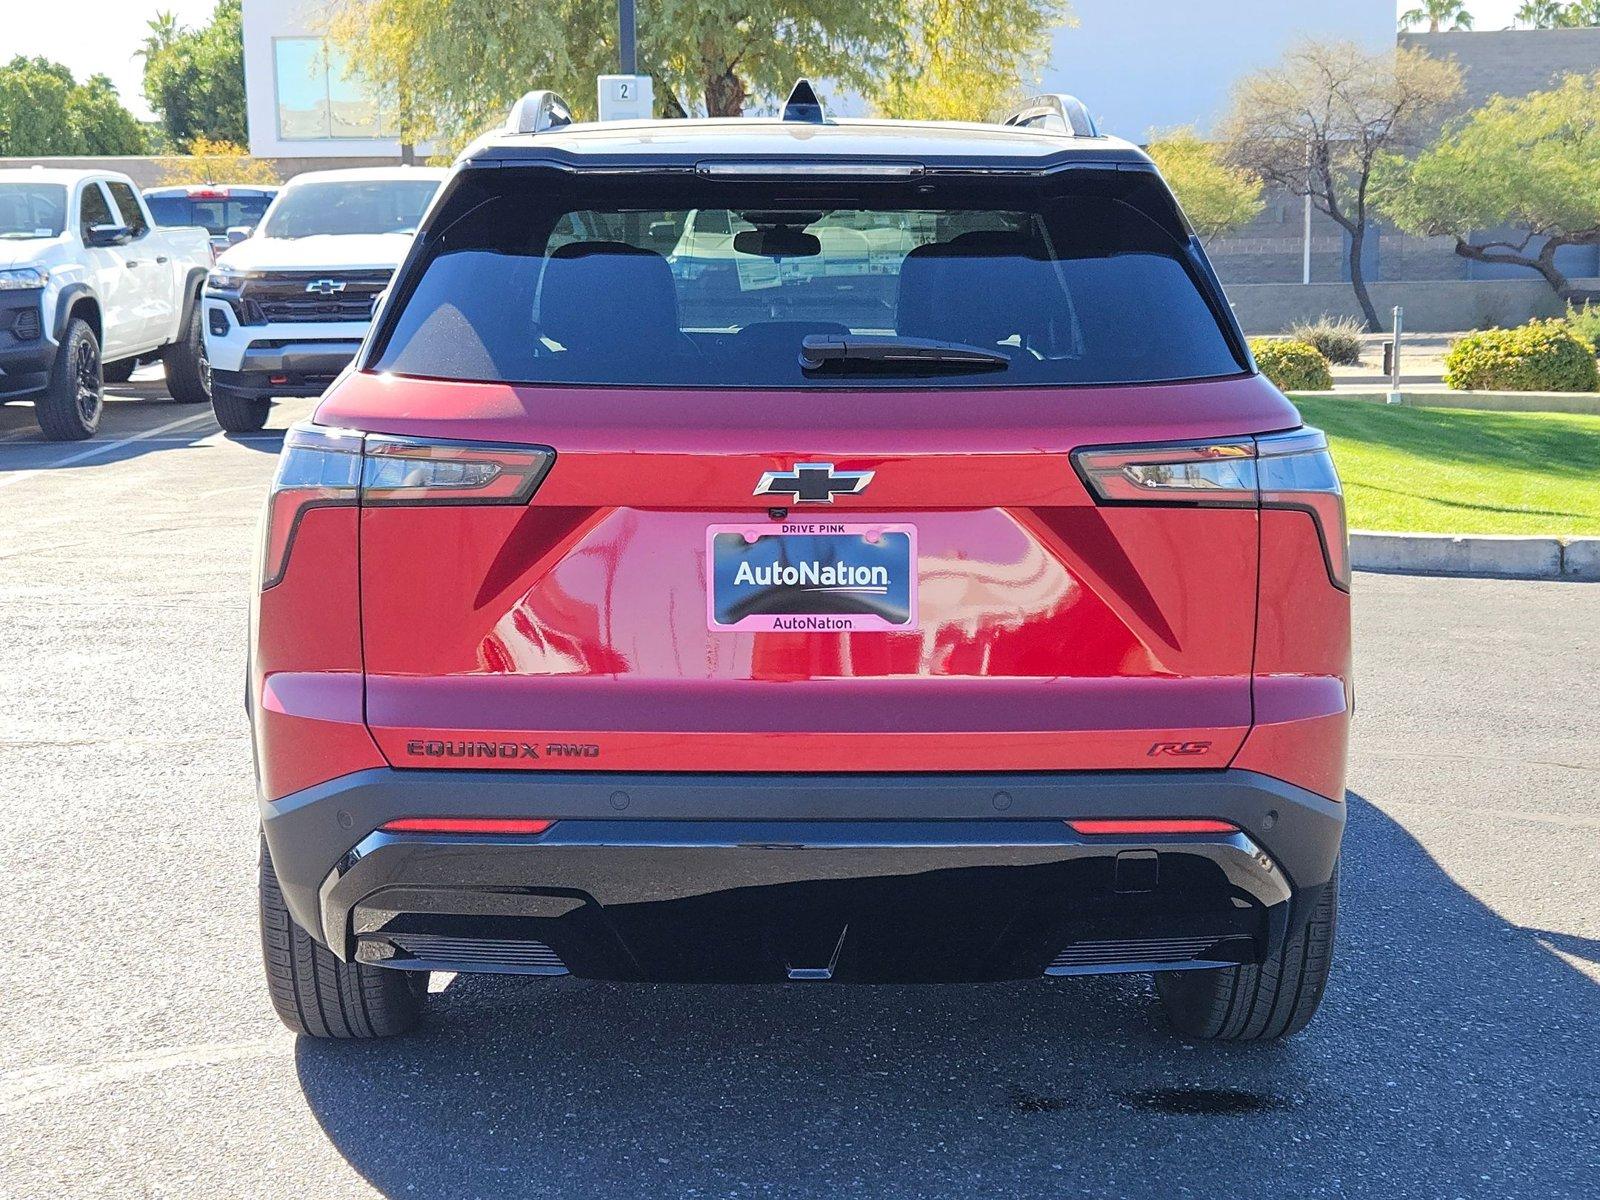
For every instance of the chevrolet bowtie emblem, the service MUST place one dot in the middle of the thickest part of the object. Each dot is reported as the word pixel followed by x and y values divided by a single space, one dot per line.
pixel 813 483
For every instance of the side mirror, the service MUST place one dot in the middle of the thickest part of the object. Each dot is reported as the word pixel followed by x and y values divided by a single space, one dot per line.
pixel 238 233
pixel 108 235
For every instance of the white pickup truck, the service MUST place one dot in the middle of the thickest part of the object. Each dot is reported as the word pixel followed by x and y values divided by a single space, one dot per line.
pixel 286 308
pixel 88 287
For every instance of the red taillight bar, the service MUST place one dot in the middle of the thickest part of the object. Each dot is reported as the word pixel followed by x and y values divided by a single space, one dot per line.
pixel 518 825
pixel 1129 827
pixel 1290 470
pixel 322 467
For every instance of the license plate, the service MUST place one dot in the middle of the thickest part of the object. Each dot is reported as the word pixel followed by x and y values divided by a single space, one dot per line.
pixel 812 578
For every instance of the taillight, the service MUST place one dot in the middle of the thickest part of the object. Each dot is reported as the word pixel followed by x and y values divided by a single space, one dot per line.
pixel 423 471
pixel 325 467
pixel 319 468
pixel 1295 470
pixel 1277 470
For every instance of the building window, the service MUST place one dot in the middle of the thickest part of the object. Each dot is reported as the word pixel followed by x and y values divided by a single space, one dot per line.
pixel 320 97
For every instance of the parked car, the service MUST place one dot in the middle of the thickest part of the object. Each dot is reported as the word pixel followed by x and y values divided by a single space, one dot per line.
pixel 228 212
pixel 88 287
pixel 973 611
pixel 287 307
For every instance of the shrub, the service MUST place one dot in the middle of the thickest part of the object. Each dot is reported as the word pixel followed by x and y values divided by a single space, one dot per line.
pixel 1292 366
pixel 1585 321
pixel 1338 338
pixel 1541 356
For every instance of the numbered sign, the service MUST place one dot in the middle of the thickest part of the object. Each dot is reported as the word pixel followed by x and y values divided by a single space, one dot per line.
pixel 626 98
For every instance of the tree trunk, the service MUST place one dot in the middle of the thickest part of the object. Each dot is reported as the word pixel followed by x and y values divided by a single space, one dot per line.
pixel 725 94
pixel 1358 281
pixel 1544 262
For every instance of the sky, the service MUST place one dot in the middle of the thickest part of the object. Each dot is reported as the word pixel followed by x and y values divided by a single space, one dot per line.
pixel 102 35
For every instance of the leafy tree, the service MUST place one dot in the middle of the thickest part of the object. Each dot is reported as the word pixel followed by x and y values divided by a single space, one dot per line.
pixel 1580 14
pixel 97 112
pixel 1531 163
pixel 967 62
pixel 1439 14
pixel 44 111
pixel 209 161
pixel 451 68
pixel 194 78
pixel 1539 14
pixel 1316 124
pixel 1215 196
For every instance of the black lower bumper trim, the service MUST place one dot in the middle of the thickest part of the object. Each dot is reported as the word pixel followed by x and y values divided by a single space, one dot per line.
pixel 848 877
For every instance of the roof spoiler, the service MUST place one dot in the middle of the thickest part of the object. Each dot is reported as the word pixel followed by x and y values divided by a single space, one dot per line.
pixel 538 111
pixel 1070 113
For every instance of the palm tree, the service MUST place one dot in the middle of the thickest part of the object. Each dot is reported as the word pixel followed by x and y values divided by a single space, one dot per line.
pixel 164 30
pixel 1540 14
pixel 1439 14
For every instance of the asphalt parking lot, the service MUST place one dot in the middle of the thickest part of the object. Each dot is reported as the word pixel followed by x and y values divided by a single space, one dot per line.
pixel 1457 1054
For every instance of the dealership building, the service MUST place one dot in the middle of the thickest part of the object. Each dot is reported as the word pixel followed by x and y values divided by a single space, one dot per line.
pixel 1140 68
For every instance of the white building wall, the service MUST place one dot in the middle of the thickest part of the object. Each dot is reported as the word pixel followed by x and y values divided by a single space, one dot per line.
pixel 1155 64
pixel 265 23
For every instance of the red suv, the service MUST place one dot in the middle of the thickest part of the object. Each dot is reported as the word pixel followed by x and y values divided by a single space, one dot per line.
pixel 800 549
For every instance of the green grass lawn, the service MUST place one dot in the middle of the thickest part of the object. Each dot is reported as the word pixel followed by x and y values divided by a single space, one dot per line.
pixel 1442 470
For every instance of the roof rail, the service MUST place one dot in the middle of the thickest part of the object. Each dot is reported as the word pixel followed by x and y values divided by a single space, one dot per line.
pixel 538 111
pixel 1068 110
pixel 803 104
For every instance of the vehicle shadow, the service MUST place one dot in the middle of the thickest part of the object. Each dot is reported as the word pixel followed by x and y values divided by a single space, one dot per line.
pixel 140 418
pixel 1454 1056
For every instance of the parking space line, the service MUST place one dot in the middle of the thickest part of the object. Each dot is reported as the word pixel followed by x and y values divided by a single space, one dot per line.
pixel 100 448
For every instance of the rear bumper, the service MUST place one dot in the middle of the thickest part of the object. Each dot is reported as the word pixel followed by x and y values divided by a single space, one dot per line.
pixel 764 877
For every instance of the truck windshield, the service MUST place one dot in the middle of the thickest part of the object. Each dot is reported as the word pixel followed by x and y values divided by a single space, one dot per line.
pixel 32 210
pixel 350 206
pixel 651 280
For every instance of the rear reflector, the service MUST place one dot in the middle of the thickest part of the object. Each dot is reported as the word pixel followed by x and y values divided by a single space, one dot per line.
pixel 1138 828
pixel 517 825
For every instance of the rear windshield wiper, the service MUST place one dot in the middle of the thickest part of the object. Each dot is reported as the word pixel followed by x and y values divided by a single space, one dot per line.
pixel 830 352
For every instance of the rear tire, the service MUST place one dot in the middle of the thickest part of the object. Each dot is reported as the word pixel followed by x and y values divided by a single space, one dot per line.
pixel 188 370
pixel 238 413
pixel 1263 1001
pixel 317 995
pixel 69 409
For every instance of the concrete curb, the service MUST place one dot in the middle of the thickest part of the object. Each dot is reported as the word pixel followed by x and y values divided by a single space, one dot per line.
pixel 1558 402
pixel 1503 556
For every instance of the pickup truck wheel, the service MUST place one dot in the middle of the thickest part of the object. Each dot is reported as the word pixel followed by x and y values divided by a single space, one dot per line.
pixel 188 369
pixel 118 372
pixel 238 413
pixel 69 408
pixel 316 994
pixel 1260 1001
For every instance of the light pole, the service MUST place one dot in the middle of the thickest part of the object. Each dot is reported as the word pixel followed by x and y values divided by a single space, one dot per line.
pixel 627 39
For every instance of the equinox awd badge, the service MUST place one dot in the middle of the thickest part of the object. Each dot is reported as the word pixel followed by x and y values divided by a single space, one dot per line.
pixel 813 483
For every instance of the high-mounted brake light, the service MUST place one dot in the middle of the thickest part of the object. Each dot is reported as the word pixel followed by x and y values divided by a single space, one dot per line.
pixel 501 825
pixel 1279 470
pixel 1120 827
pixel 322 468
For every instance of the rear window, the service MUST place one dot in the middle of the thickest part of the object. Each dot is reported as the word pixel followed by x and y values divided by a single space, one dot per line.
pixel 709 283
pixel 216 215
pixel 350 207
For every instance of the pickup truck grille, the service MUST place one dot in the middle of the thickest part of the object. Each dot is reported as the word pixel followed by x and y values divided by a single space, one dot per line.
pixel 311 296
